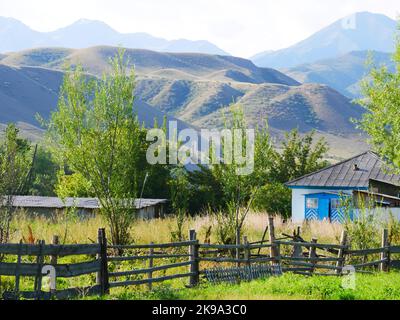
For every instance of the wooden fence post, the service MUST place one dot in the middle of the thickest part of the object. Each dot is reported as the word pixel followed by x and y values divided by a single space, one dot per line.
pixel 385 255
pixel 38 278
pixel 194 259
pixel 263 238
pixel 342 252
pixel 247 253
pixel 102 276
pixel 313 255
pixel 298 232
pixel 151 265
pixel 53 259
pixel 274 247
pixel 237 248
pixel 17 275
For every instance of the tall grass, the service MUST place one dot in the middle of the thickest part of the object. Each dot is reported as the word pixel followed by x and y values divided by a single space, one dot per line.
pixel 73 229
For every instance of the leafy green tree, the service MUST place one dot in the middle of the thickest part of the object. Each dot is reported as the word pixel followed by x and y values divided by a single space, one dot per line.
pixel 299 156
pixel 208 190
pixel 73 185
pixel 97 135
pixel 274 198
pixel 228 187
pixel 44 174
pixel 381 91
pixel 15 169
pixel 264 155
pixel 180 195
pixel 220 188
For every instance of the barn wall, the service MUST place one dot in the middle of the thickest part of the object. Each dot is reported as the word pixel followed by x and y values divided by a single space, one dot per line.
pixel 153 212
pixel 54 212
pixel 146 213
pixel 298 200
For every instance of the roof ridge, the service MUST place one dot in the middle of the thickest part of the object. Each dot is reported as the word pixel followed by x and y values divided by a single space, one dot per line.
pixel 329 167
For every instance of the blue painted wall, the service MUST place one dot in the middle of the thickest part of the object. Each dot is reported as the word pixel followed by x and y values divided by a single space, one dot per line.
pixel 326 207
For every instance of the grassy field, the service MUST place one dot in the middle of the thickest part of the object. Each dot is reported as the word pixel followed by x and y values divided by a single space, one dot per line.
pixel 287 287
pixel 73 230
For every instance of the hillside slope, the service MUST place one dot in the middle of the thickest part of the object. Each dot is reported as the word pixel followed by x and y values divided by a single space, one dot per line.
pixel 195 88
pixel 95 60
pixel 26 92
pixel 343 73
pixel 306 107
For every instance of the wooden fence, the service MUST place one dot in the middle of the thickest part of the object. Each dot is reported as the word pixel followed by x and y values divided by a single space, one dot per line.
pixel 147 264
pixel 54 251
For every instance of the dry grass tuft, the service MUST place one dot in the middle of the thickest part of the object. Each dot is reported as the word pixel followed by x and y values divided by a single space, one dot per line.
pixel 72 229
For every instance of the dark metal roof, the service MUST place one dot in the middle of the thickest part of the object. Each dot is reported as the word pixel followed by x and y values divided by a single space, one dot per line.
pixel 369 167
pixel 80 203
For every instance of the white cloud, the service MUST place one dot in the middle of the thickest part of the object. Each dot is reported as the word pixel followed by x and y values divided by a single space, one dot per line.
pixel 241 27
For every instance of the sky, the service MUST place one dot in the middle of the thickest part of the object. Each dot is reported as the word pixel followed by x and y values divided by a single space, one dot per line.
pixel 240 27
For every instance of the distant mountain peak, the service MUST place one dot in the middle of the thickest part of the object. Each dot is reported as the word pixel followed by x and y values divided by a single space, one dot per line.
pixel 84 33
pixel 11 22
pixel 86 21
pixel 350 33
pixel 9 19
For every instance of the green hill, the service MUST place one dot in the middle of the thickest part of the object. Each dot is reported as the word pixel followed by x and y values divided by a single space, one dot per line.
pixel 167 65
pixel 195 88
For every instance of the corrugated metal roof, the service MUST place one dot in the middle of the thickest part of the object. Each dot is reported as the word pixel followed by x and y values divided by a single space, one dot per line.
pixel 343 174
pixel 80 203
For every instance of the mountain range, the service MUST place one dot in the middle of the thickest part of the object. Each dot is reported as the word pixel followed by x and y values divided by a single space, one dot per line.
pixel 342 73
pixel 16 36
pixel 195 88
pixel 359 32
pixel 308 86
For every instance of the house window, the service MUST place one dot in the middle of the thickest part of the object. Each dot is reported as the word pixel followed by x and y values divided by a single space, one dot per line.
pixel 335 203
pixel 312 203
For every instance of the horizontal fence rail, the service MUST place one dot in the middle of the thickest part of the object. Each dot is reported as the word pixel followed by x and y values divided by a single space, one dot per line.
pixel 394 249
pixel 155 246
pixel 311 245
pixel 316 259
pixel 62 270
pixel 48 249
pixel 367 251
pixel 146 257
pixel 154 269
pixel 241 246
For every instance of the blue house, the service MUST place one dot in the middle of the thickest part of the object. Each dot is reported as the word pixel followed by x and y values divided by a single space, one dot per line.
pixel 321 195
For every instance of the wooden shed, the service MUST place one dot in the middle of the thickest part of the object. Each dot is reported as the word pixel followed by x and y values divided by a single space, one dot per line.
pixel 146 208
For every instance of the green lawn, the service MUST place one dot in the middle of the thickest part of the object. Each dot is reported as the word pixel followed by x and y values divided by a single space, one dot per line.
pixel 287 287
